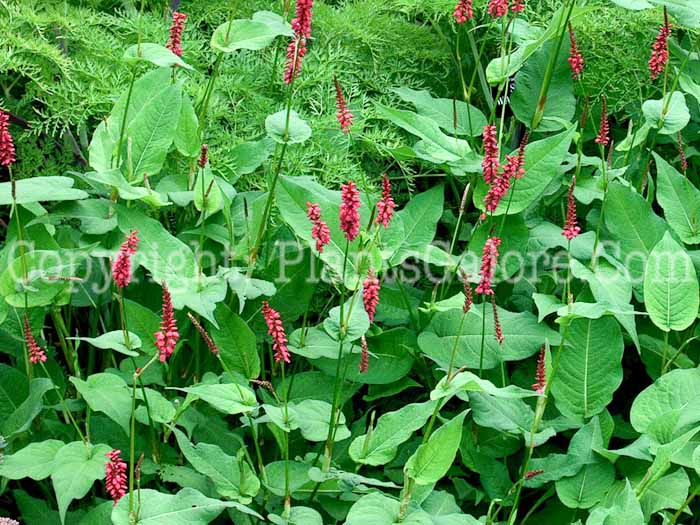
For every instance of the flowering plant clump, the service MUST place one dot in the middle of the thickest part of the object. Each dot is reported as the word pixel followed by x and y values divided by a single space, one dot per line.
pixel 473 299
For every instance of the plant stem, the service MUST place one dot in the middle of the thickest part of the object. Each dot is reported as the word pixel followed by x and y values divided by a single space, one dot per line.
pixel 65 406
pixel 483 337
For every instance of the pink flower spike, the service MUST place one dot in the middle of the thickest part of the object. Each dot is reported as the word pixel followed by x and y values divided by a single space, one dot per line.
pixel 603 137
pixel 364 356
pixel 468 299
pixel 121 270
pixel 489 259
pixel 178 26
pixel 349 214
pixel 319 229
pixel 115 475
pixel 294 59
pixel 659 50
pixel 167 337
pixel 518 6
pixel 386 205
pixel 490 164
pixel 7 145
pixel 540 383
pixel 343 114
pixel 276 331
pixel 370 294
pixel 498 8
pixel 301 24
pixel 575 56
pixel 8 521
pixel 207 338
pixel 463 11
pixel 203 156
pixel 681 153
pixel 498 329
pixel 36 353
pixel 571 228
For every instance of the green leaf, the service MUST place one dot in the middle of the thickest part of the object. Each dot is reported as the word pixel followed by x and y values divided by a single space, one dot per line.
pixel 434 142
pixel 668 492
pixel 253 34
pixel 14 388
pixel 35 461
pixel 561 103
pixel 587 487
pixel 109 394
pixel 623 510
pixel 676 117
pixel 432 459
pixel 311 416
pixel 680 200
pixel 228 398
pixel 187 507
pixel 374 509
pixel 144 323
pixel 445 112
pixel 297 133
pixel 236 343
pixel 676 391
pixel 114 340
pixel 208 196
pixel 41 189
pixel 109 180
pixel 590 368
pixel 222 469
pixel 357 324
pixel 412 229
pixel 467 382
pixel 152 131
pixel 543 158
pixel 393 428
pixel 671 286
pixel 95 215
pixel 76 467
pixel 633 226
pixel 155 54
pixel 187 135
pixel 21 419
pixel 523 337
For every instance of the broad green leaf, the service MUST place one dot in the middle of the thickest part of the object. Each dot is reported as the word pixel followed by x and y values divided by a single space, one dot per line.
pixel 317 343
pixel 675 118
pixel 680 200
pixel 467 382
pixel 96 215
pixel 392 429
pixel 298 477
pixel 21 419
pixel 523 337
pixel 107 181
pixel 186 135
pixel 14 388
pixel 222 469
pixel 633 226
pixel 229 398
pixel 561 103
pixel 412 229
pixel 677 390
pixel 668 492
pixel 446 112
pixel 187 507
pixel 236 343
pixel 432 459
pixel 316 474
pixel 41 189
pixel 208 196
pixel 374 509
pixel 152 132
pixel 311 416
pixel 35 461
pixel 298 516
pixel 155 54
pixel 587 487
pixel 543 158
pixel 623 510
pixel 249 156
pixel 434 142
pixel 114 340
pixel 109 394
pixel 357 323
pixel 671 286
pixel 297 132
pixel 144 323
pixel 76 467
pixel 590 367
pixel 254 34
pixel 507 414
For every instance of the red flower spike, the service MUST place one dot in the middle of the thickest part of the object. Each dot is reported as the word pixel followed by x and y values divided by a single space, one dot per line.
pixel 211 345
pixel 490 164
pixel 349 214
pixel 575 56
pixel 468 298
pixel 115 475
pixel 276 331
pixel 167 337
pixel 343 114
pixel 178 26
pixel 8 521
pixel 7 145
pixel 294 59
pixel 532 473
pixel 498 8
pixel 659 50
pixel 301 24
pixel 203 156
pixel 319 229
pixel 121 269
pixel 540 383
pixel 386 205
pixel 489 259
pixel 512 170
pixel 463 11
pixel 571 228
pixel 518 6
pixel 681 153
pixel 36 353
pixel 370 294
pixel 498 329
pixel 603 137
pixel 364 357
